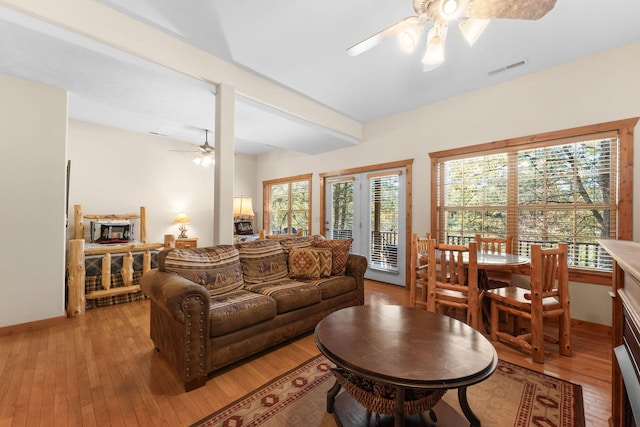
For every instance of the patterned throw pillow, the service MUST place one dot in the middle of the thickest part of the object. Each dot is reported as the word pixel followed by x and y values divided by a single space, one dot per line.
pixel 304 263
pixel 262 261
pixel 339 254
pixel 216 268
pixel 325 256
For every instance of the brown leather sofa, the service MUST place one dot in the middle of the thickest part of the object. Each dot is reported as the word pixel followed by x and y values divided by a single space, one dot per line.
pixel 214 306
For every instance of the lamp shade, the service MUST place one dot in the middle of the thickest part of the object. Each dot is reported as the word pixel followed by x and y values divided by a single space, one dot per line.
pixel 182 218
pixel 242 207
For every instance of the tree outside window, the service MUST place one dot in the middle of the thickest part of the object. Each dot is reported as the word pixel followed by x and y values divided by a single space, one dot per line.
pixel 287 204
pixel 541 191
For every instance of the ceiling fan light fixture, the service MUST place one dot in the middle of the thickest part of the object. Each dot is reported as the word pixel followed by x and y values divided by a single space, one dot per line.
pixel 206 156
pixel 472 28
pixel 409 38
pixel 206 160
pixel 452 9
pixel 434 55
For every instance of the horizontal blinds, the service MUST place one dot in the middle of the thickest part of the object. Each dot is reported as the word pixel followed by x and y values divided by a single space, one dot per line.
pixel 546 192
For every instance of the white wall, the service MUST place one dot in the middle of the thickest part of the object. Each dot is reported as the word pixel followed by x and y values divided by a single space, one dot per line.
pixel 597 89
pixel 32 186
pixel 117 171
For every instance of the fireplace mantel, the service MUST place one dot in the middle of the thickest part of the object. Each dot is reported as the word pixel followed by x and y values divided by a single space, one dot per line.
pixel 626 331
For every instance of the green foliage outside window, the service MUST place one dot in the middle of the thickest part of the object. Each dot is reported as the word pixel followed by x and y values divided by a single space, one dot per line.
pixel 547 194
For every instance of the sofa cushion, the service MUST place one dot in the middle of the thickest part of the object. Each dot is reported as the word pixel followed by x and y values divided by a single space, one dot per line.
pixel 339 254
pixel 238 309
pixel 304 263
pixel 262 261
pixel 334 285
pixel 289 294
pixel 217 268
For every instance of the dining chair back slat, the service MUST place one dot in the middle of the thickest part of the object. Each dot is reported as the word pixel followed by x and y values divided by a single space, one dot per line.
pixel 418 280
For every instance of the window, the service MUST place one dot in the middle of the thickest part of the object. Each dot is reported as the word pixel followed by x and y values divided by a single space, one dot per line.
pixel 544 189
pixel 287 205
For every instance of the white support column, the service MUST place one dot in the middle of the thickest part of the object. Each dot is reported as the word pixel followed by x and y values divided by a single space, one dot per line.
pixel 224 173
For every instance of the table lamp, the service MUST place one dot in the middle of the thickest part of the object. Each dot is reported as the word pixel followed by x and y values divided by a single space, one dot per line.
pixel 183 220
pixel 242 208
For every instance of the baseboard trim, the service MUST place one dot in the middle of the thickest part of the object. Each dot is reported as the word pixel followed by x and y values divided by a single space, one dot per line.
pixel 31 326
pixel 590 326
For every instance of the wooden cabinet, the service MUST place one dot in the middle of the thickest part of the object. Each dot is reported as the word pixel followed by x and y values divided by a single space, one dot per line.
pixel 625 383
pixel 188 243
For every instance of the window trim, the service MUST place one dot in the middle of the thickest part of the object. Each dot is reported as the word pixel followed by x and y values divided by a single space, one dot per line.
pixel 624 129
pixel 266 198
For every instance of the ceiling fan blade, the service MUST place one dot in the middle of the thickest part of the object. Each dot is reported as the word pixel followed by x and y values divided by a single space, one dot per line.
pixel 472 28
pixel 509 9
pixel 378 37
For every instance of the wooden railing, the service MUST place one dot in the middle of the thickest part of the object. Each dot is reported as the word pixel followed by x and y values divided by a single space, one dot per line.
pixel 77 271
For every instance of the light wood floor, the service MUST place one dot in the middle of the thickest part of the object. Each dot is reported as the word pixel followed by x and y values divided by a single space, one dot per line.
pixel 101 369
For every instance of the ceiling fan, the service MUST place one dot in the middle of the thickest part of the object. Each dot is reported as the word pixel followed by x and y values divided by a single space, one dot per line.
pixel 473 16
pixel 206 152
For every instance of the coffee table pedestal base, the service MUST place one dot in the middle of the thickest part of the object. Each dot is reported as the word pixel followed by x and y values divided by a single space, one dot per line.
pixel 349 413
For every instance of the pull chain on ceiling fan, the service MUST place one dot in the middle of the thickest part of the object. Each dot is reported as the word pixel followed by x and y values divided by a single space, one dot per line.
pixel 473 17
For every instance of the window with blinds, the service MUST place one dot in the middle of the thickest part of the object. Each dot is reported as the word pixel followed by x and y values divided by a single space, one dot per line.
pixel 384 220
pixel 287 205
pixel 542 192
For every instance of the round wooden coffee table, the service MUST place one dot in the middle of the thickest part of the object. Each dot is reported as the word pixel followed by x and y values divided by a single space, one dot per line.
pixel 406 348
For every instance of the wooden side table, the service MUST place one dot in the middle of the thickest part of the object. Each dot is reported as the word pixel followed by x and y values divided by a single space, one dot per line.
pixel 188 243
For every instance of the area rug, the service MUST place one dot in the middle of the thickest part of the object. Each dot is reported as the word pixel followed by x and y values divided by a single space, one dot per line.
pixel 512 396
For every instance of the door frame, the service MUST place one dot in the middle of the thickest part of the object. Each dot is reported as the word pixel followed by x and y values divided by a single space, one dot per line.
pixel 408 165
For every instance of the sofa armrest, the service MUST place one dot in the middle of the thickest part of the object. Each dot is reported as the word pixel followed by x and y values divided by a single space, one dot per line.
pixel 356 267
pixel 179 324
pixel 172 293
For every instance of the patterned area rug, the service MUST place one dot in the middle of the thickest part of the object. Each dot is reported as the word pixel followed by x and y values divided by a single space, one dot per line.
pixel 512 396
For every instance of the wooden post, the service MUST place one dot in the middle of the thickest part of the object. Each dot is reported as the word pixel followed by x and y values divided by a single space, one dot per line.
pixel 76 282
pixel 143 224
pixel 106 271
pixel 169 241
pixel 146 261
pixel 78 222
pixel 127 269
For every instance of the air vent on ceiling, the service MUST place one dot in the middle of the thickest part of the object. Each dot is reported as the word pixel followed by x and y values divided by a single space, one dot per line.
pixel 507 67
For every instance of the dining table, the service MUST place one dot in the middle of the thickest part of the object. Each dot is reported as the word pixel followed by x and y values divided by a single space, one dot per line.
pixel 493 261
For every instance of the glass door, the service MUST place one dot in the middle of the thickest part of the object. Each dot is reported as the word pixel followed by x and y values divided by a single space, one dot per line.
pixel 370 209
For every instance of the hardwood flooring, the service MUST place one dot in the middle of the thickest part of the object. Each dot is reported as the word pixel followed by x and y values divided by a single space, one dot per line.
pixel 100 369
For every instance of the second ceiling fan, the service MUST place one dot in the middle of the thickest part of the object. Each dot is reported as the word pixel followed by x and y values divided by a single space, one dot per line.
pixel 473 17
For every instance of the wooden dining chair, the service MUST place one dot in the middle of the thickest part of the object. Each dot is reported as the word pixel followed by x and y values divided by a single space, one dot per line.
pixel 418 281
pixel 498 245
pixel 454 283
pixel 548 297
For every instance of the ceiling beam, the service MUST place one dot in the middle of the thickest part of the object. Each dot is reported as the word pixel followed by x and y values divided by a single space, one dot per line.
pixel 98 22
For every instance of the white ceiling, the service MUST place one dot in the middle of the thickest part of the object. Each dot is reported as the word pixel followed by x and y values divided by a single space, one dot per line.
pixel 301 45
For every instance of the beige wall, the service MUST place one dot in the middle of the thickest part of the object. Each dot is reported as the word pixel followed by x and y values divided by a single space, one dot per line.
pixel 117 171
pixel 32 186
pixel 597 89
